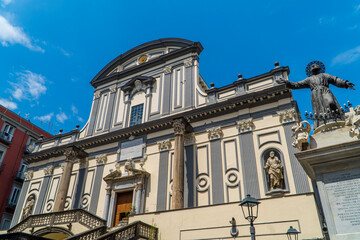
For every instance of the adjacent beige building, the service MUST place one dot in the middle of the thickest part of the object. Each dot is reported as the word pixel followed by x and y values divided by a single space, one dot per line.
pixel 163 148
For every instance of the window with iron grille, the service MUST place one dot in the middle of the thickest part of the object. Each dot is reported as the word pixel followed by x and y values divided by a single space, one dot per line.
pixel 136 115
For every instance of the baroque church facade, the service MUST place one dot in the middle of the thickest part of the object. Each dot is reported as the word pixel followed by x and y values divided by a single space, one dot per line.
pixel 167 155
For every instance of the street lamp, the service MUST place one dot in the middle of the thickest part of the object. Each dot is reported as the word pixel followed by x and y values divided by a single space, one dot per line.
pixel 249 206
pixel 292 233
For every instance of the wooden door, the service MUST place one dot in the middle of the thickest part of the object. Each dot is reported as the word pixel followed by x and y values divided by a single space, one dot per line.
pixel 123 206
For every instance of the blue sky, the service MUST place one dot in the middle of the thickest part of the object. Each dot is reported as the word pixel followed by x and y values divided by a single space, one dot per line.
pixel 50 50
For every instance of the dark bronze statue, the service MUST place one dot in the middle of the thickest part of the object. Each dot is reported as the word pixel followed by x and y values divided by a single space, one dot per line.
pixel 324 104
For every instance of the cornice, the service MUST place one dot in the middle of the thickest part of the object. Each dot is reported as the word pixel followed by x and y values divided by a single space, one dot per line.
pixel 248 80
pixel 231 105
pixel 102 78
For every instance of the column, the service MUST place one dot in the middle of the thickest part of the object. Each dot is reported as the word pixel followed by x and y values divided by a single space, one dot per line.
pixel 138 197
pixel 178 170
pixel 107 203
pixel 71 154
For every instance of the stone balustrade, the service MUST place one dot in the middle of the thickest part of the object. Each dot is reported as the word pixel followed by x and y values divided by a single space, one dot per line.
pixel 58 218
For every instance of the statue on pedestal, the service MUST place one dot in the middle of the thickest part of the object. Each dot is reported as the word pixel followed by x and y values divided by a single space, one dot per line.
pixel 274 168
pixel 324 104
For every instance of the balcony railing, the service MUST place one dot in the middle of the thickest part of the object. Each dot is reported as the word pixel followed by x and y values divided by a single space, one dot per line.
pixel 89 235
pixel 6 137
pixel 20 175
pixel 51 219
pixel 29 148
pixel 133 231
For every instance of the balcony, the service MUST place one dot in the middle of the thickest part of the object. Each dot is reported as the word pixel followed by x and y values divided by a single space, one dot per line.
pixel 5 137
pixel 79 224
pixel 72 220
pixel 29 148
pixel 20 176
pixel 133 231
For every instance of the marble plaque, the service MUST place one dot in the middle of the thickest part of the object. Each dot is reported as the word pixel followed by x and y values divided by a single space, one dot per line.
pixel 343 192
pixel 131 149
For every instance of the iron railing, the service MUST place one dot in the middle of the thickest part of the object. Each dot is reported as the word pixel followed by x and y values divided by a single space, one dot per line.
pixel 6 136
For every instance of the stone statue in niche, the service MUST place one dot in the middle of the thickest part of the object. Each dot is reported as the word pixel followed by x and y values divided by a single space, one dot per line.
pixel 324 104
pixel 274 169
pixel 29 206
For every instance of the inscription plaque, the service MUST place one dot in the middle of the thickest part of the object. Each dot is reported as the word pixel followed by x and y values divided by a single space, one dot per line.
pixel 343 191
pixel 131 149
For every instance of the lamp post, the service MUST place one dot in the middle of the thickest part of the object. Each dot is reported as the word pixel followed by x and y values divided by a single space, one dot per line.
pixel 249 206
pixel 292 233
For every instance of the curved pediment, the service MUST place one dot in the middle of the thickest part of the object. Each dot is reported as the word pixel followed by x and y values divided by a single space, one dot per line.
pixel 143 56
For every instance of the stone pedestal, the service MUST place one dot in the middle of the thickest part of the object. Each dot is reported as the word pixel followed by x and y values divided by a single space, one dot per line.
pixel 333 161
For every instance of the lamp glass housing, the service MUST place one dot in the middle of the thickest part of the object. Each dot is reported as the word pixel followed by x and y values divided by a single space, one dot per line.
pixel 292 233
pixel 249 207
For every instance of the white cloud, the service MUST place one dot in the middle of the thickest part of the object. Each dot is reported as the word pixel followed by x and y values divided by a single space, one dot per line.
pixel 5 2
pixel 8 104
pixel 66 53
pixel 10 34
pixel 61 117
pixel 347 57
pixel 74 109
pixel 29 86
pixel 80 119
pixel 45 118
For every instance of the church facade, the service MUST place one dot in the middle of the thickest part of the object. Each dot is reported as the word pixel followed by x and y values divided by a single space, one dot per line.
pixel 163 149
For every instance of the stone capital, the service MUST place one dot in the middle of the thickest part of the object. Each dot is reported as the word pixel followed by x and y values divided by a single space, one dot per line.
pixel 188 62
pixel 83 163
pixel 167 69
pixel 246 125
pixel 96 94
pixel 73 152
pixel 108 190
pixel 138 186
pixel 214 133
pixel 101 159
pixel 179 127
pixel 189 138
pixel 112 89
pixel 286 116
pixel 70 155
pixel 48 171
pixel 164 145
pixel 28 175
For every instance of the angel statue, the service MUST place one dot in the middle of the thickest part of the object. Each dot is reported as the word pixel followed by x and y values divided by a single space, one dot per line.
pixel 324 104
pixel 301 134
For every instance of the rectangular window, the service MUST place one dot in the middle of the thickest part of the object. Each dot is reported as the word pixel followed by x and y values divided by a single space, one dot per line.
pixel 136 115
pixel 14 196
pixel 22 170
pixel 31 145
pixel 2 166
pixel 7 134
